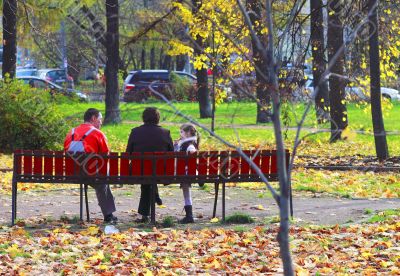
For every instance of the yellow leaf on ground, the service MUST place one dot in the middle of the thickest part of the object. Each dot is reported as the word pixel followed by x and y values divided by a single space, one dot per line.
pixel 214 220
pixel 302 272
pixel 260 207
pixel 98 256
pixel 91 230
pixel 148 255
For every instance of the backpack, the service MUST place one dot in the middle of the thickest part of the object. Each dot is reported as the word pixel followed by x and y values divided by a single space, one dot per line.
pixel 77 146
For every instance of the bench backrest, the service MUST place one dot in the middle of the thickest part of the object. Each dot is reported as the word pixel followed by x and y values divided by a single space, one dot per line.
pixel 165 167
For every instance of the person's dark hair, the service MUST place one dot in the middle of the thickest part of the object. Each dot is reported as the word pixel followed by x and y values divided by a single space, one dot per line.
pixel 151 115
pixel 191 129
pixel 89 114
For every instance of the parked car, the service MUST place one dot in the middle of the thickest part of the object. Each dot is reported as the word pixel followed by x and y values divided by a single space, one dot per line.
pixel 136 85
pixel 356 93
pixel 390 93
pixel 26 72
pixel 36 82
pixel 56 76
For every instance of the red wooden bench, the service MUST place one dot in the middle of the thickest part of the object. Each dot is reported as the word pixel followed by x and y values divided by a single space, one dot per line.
pixel 140 168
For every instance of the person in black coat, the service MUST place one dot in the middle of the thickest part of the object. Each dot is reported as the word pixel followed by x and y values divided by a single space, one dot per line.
pixel 149 137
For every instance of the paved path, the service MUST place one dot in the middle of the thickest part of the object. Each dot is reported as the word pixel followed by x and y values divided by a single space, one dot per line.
pixel 315 210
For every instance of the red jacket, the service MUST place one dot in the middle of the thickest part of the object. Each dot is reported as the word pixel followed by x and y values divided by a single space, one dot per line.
pixel 95 142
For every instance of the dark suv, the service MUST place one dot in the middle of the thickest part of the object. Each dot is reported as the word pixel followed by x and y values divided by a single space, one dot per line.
pixel 136 85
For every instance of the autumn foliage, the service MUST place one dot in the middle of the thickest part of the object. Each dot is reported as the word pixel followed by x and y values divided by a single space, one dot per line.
pixel 369 248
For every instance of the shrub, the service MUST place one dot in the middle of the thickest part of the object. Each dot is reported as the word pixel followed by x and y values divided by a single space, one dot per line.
pixel 239 218
pixel 29 118
pixel 182 89
pixel 168 222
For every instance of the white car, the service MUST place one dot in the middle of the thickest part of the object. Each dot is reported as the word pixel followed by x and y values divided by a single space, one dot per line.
pixel 356 93
pixel 36 82
pixel 390 93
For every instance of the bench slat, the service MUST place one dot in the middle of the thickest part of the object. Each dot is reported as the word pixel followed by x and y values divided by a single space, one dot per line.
pixel 234 168
pixel 181 163
pixel 213 163
pixel 192 164
pixel 37 162
pixel 274 161
pixel 256 159
pixel 202 163
pixel 48 163
pixel 27 162
pixel 148 159
pixel 170 164
pixel 265 161
pixel 244 165
pixel 18 161
pixel 159 163
pixel 124 164
pixel 103 165
pixel 59 163
pixel 69 165
pixel 114 164
pixel 224 164
pixel 136 164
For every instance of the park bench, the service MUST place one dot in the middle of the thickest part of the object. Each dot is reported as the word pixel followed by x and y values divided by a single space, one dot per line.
pixel 218 167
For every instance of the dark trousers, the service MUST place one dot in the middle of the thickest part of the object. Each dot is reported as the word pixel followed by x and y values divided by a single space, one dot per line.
pixel 105 198
pixel 145 199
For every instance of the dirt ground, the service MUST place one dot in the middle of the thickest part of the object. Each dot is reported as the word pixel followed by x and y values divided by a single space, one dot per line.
pixel 308 208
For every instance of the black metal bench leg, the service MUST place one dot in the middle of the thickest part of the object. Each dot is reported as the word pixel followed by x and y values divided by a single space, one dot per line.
pixel 216 187
pixel 153 204
pixel 223 201
pixel 87 203
pixel 14 202
pixel 81 202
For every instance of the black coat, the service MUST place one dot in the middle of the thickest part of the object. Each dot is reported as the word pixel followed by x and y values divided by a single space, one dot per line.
pixel 149 138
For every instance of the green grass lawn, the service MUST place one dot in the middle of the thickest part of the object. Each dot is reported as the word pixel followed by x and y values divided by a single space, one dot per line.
pixel 237 119
pixel 239 113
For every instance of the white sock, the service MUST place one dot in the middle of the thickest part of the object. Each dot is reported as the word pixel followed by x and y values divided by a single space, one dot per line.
pixel 187 194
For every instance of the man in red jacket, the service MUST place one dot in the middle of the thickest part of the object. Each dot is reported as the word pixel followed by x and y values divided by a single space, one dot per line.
pixel 88 138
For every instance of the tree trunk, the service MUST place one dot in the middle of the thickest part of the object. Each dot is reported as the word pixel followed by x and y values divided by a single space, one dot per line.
pixel 319 63
pixel 9 38
pixel 143 58
pixel 263 93
pixel 152 58
pixel 283 174
pixel 337 84
pixel 202 78
pixel 111 71
pixel 381 146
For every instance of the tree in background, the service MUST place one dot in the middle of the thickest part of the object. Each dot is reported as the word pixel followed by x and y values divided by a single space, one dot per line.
pixel 319 61
pixel 263 91
pixel 9 38
pixel 376 108
pixel 337 97
pixel 111 71
pixel 201 72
